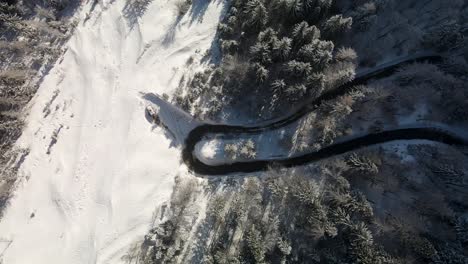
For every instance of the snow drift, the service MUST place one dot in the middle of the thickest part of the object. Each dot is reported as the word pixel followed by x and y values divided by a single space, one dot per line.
pixel 97 169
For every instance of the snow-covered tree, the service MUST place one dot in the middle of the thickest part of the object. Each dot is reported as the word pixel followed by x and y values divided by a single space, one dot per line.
pixel 231 150
pixel 362 244
pixel 339 73
pixel 278 85
pixel 298 68
pixel 232 20
pixel 225 30
pixel 245 149
pixel 254 241
pixel 319 53
pixel 256 14
pixel 364 15
pixel 306 192
pixel 316 82
pixel 304 34
pixel 261 52
pixel 229 46
pixel 248 150
pixel 260 72
pixel 362 164
pixel 295 91
pixel 337 24
pixel 285 248
pixel 282 48
pixel 290 7
pixel 346 55
pixel 267 36
pixel 7 9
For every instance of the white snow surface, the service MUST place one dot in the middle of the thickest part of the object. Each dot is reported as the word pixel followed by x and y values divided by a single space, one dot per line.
pixel 94 194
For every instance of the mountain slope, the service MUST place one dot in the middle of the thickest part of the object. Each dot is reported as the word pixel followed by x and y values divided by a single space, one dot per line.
pixel 97 168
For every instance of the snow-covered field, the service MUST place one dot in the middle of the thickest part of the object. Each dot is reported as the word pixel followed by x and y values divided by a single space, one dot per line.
pixel 97 169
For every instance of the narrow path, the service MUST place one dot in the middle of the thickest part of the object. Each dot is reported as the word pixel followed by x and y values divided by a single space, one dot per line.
pixel 421 133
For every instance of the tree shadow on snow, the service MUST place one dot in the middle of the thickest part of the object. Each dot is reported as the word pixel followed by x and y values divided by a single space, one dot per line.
pixel 171 32
pixel 197 12
pixel 135 9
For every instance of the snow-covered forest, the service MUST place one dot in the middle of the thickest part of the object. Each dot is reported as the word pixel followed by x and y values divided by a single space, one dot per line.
pixel 98 100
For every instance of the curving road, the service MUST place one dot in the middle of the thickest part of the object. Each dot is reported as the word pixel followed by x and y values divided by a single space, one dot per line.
pixel 418 133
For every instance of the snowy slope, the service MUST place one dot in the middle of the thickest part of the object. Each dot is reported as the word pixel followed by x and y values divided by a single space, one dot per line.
pixel 97 169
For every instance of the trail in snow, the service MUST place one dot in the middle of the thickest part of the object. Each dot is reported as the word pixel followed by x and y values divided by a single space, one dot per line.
pixel 108 169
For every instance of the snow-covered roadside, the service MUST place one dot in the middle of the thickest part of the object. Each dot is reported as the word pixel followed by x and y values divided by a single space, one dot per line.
pixel 108 169
pixel 210 150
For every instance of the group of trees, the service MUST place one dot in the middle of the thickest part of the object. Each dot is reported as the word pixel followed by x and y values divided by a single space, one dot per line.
pixel 244 149
pixel 390 27
pixel 30 36
pixel 331 120
pixel 318 214
pixel 275 53
pixel 166 241
pixel 283 218
pixel 275 59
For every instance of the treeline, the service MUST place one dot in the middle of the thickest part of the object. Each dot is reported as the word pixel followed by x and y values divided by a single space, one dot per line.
pixel 367 207
pixel 31 32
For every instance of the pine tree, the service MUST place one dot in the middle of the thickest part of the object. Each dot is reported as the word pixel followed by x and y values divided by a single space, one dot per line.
pixel 304 34
pixel 256 14
pixel 267 36
pixel 225 30
pixel 261 52
pixel 306 192
pixel 278 85
pixel 316 82
pixel 231 150
pixel 8 9
pixel 255 245
pixel 337 24
pixel 362 164
pixel 285 248
pixel 232 20
pixel 229 46
pixel 364 15
pixel 282 49
pixel 295 91
pixel 318 53
pixel 298 68
pixel 362 244
pixel 346 55
pixel 293 8
pixel 261 73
